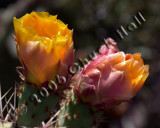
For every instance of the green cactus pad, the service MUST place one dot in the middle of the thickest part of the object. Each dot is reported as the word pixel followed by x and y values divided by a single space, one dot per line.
pixel 6 125
pixel 75 115
pixel 30 113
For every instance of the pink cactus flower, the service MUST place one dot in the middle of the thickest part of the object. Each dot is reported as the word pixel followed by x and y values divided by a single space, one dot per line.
pixel 111 78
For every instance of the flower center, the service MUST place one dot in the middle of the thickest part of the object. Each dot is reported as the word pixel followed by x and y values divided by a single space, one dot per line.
pixel 44 26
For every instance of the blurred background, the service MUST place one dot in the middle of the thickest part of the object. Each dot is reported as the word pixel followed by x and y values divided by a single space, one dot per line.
pixel 93 21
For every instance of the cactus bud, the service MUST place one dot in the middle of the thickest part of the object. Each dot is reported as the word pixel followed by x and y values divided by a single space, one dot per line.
pixel 111 78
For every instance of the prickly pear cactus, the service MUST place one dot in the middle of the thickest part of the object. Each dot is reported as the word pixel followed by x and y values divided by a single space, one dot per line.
pixel 75 114
pixel 34 106
pixel 6 125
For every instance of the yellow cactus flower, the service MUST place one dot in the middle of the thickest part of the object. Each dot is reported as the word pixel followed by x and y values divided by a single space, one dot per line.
pixel 44 46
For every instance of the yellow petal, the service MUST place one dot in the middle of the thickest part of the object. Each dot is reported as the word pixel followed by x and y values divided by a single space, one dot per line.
pixel 42 41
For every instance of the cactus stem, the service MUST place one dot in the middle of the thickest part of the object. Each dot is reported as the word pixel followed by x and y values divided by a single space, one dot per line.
pixel 33 107
pixel 78 114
